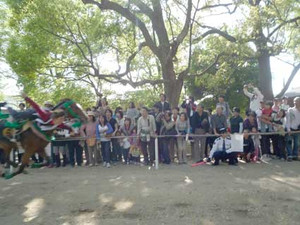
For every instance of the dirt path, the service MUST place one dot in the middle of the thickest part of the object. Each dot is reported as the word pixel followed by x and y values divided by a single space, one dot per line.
pixel 247 194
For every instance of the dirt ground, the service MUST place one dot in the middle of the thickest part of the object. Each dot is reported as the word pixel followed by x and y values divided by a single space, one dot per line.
pixel 176 194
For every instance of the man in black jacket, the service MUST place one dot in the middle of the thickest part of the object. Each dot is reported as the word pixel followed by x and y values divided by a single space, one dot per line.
pixel 163 105
pixel 200 125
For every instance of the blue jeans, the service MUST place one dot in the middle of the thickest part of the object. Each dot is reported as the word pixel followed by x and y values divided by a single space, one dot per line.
pixel 292 145
pixel 116 154
pixel 105 149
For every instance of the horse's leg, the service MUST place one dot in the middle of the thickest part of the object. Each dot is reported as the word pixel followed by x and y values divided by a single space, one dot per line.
pixel 25 162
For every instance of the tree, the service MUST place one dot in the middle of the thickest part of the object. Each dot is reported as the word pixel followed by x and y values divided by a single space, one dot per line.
pixel 68 40
pixel 227 77
pixel 160 37
pixel 270 25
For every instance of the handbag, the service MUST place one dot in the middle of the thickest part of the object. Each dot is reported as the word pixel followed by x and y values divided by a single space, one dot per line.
pixel 91 141
pixel 171 132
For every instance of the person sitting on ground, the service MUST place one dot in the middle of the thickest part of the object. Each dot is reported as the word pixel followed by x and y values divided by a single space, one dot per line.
pixel 221 149
pixel 248 146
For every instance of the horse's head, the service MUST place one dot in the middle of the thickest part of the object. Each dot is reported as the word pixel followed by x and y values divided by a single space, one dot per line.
pixel 72 109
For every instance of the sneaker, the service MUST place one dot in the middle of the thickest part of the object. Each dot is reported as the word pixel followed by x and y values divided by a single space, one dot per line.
pixel 91 165
pixel 104 164
pixel 96 164
pixel 108 165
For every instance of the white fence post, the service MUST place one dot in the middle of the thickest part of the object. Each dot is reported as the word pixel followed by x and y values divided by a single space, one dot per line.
pixel 156 153
pixel 11 158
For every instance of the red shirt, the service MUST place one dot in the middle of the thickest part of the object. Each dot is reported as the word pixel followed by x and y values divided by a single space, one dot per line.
pixel 267 112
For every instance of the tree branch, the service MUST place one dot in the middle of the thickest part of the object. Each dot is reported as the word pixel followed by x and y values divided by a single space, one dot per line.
pixel 109 5
pixel 214 30
pixel 282 24
pixel 291 77
pixel 208 68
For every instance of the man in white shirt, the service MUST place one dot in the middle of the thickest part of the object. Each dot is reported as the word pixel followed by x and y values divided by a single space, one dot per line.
pixel 293 124
pixel 255 98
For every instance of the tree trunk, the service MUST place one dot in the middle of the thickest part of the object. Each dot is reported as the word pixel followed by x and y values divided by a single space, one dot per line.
pixel 265 76
pixel 173 91
pixel 172 86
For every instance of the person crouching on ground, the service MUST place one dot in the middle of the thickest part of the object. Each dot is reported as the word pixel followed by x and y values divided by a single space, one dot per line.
pixel 221 149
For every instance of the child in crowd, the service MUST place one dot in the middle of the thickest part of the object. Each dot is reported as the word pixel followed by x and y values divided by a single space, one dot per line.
pixel 135 151
pixel 266 118
pixel 125 146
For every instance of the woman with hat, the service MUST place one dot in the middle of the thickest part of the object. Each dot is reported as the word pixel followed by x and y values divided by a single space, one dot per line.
pixel 88 131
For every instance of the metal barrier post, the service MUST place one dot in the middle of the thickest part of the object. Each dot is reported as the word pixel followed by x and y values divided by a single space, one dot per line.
pixel 156 153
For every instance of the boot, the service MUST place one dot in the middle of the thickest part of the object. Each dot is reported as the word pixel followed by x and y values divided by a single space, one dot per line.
pixel 64 160
pixel 57 160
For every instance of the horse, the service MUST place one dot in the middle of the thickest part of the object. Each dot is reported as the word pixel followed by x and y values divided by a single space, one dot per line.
pixel 33 140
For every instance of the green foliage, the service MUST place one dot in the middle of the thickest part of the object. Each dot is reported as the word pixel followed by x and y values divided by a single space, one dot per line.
pixel 59 89
pixel 227 77
pixel 146 97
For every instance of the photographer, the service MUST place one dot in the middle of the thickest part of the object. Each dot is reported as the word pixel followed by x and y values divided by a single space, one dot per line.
pixel 189 106
pixel 255 98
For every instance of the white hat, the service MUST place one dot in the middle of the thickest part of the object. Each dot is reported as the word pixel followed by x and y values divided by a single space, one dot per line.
pixel 91 113
pixel 47 103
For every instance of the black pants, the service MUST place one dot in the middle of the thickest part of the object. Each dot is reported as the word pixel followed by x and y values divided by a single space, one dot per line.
pixel 166 150
pixel 221 155
pixel 151 146
pixel 75 149
pixel 265 144
pixel 279 146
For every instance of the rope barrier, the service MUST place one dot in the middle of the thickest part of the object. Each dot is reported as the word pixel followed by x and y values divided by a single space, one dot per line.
pixel 175 136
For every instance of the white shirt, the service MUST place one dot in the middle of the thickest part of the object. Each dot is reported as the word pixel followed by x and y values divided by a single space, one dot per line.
pixel 292 119
pixel 255 98
pixel 258 116
pixel 218 145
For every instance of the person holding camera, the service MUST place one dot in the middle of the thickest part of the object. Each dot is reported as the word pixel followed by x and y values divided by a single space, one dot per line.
pixel 189 106
pixel 255 98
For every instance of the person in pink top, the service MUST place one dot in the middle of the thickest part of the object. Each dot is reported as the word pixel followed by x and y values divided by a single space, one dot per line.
pixel 88 131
